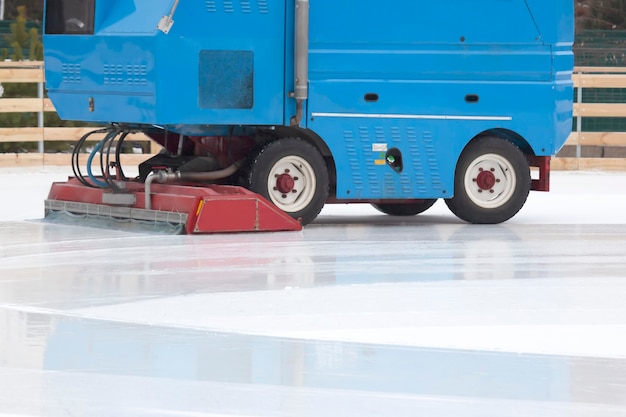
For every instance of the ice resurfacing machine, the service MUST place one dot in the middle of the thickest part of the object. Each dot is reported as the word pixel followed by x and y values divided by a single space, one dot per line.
pixel 268 109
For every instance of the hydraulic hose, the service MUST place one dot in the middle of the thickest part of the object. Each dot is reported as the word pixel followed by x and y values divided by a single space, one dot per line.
pixel 209 176
pixel 118 152
pixel 95 150
pixel 76 154
pixel 165 177
pixel 105 161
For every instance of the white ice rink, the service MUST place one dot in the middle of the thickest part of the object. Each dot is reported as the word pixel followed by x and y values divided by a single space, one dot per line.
pixel 360 314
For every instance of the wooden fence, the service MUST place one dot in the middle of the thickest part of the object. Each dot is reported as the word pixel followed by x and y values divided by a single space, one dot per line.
pixel 584 78
pixel 32 72
pixel 601 78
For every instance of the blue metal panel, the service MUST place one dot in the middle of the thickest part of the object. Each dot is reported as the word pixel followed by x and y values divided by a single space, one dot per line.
pixel 438 78
pixel 257 26
pixel 130 17
pixel 137 74
pixel 359 145
pixel 366 23
pixel 554 20
pixel 123 89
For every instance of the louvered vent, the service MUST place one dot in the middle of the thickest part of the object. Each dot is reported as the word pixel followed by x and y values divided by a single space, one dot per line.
pixel 236 6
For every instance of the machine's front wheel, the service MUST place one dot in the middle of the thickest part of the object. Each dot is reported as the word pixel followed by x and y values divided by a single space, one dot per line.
pixel 491 183
pixel 292 174
pixel 404 209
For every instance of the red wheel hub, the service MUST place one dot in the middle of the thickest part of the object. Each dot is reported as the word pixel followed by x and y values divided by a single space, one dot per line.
pixel 285 183
pixel 486 180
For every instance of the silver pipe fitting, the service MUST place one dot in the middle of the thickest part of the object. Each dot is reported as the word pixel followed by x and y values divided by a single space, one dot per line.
pixel 158 176
pixel 163 177
pixel 302 50
pixel 301 88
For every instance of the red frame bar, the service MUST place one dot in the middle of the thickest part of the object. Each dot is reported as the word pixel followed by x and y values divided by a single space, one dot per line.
pixel 543 163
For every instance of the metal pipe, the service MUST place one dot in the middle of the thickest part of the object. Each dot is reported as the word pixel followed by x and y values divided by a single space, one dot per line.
pixel 579 121
pixel 40 120
pixel 301 89
pixel 171 15
pixel 159 176
pixel 180 144
pixel 209 176
pixel 163 177
pixel 302 50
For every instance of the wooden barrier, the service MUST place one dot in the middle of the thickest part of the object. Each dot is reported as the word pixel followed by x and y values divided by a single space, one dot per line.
pixel 597 78
pixel 32 72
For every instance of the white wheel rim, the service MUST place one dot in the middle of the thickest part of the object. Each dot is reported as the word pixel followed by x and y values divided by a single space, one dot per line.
pixel 291 184
pixel 490 181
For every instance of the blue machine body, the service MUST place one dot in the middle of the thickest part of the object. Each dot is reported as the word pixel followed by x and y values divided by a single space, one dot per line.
pixel 423 77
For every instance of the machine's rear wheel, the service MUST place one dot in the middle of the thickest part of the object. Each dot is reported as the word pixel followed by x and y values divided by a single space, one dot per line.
pixel 292 174
pixel 491 183
pixel 405 209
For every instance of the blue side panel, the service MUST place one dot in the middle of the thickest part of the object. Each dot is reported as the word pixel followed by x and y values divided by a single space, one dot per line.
pixel 221 63
pixel 255 26
pixel 430 124
pixel 123 89
pixel 426 78
pixel 361 23
pixel 556 25
pixel 359 146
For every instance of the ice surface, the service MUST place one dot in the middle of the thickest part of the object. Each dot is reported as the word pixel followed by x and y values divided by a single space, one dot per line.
pixel 360 314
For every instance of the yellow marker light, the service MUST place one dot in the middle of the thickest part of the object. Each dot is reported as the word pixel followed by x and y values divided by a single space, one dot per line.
pixel 199 207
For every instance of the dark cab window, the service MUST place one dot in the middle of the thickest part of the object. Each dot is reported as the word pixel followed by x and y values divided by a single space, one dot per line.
pixel 69 17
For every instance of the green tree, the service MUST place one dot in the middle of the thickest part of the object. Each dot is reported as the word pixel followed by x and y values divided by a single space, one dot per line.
pixel 600 14
pixel 34 7
pixel 21 39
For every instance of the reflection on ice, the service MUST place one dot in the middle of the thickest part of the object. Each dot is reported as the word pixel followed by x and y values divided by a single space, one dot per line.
pixel 346 320
pixel 101 368
pixel 69 267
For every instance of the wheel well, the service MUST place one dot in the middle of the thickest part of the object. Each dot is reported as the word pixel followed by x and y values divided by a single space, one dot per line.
pixel 507 135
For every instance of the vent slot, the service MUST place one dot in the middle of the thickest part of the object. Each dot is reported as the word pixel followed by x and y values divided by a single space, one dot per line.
pixel 233 6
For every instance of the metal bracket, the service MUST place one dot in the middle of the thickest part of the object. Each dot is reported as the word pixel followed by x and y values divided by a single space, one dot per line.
pixel 119 199
pixel 166 22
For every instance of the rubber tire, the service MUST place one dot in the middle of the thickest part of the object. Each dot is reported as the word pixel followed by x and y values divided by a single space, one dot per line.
pixel 405 209
pixel 270 154
pixel 466 209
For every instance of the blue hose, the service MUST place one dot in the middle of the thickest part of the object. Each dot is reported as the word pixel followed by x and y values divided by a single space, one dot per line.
pixel 95 150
